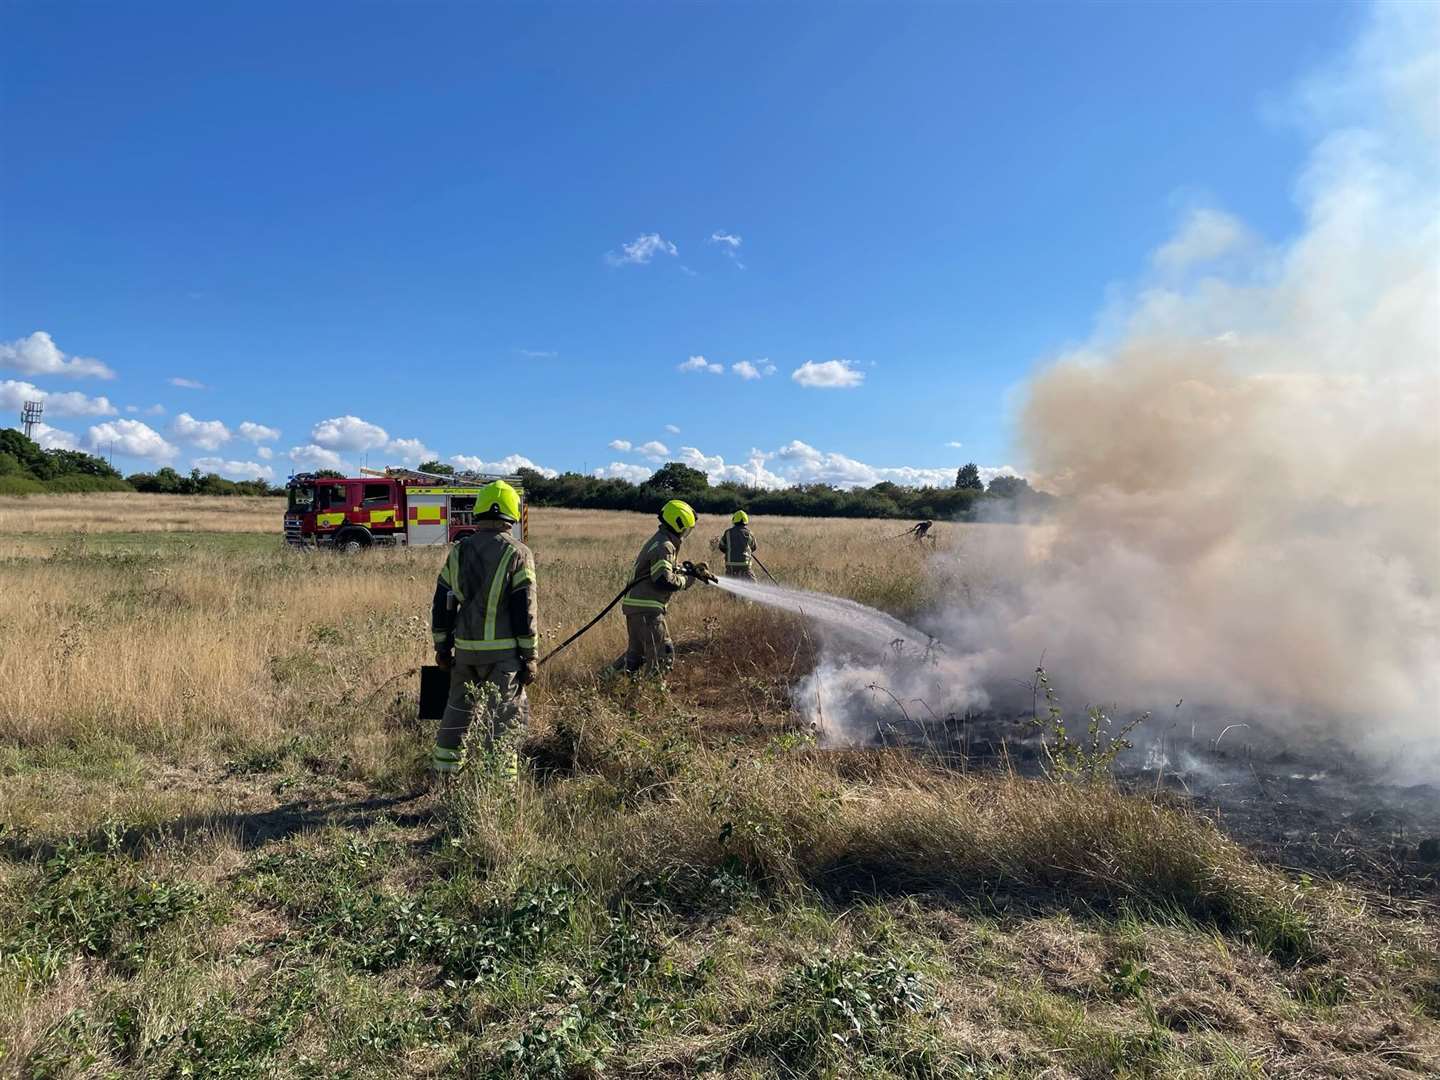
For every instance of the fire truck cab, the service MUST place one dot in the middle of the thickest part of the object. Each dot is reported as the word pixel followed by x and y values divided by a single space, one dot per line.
pixel 397 507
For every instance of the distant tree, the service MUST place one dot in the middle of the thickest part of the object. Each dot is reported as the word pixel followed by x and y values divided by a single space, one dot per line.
pixel 968 478
pixel 26 451
pixel 329 474
pixel 1009 487
pixel 44 464
pixel 674 478
pixel 165 481
pixel 437 467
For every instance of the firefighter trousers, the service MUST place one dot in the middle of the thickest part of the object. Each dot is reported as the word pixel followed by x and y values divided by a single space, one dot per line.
pixel 745 573
pixel 487 692
pixel 648 643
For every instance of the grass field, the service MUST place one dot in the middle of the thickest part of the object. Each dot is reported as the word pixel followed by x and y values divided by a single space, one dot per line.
pixel 217 857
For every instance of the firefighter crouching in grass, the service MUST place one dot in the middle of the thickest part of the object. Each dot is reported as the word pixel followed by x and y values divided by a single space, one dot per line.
pixel 484 622
pixel 659 575
pixel 737 543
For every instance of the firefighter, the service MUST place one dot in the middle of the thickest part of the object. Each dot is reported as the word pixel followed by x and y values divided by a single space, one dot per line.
pixel 660 576
pixel 484 622
pixel 921 530
pixel 737 543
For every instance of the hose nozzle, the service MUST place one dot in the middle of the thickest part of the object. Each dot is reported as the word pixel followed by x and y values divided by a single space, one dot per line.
pixel 699 570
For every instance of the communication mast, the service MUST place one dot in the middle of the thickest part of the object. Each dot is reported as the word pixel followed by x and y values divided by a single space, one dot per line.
pixel 30 416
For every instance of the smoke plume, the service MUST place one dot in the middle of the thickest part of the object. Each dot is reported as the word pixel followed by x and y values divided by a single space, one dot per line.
pixel 1247 456
pixel 1249 471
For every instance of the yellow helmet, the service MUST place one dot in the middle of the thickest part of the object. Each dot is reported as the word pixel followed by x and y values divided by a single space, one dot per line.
pixel 498 499
pixel 740 518
pixel 678 515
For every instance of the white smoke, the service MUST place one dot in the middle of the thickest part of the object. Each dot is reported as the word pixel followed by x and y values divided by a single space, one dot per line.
pixel 873 669
pixel 1248 460
pixel 1249 471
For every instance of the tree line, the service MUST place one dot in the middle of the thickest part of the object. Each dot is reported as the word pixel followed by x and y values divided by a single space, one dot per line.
pixel 964 501
pixel 27 468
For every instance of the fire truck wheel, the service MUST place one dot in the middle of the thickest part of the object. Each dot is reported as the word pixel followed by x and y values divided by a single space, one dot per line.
pixel 352 542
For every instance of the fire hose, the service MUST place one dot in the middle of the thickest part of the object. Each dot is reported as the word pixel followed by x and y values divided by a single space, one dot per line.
pixel 765 568
pixel 687 568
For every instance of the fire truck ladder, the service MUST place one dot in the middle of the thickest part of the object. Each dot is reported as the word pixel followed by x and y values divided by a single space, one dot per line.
pixel 469 479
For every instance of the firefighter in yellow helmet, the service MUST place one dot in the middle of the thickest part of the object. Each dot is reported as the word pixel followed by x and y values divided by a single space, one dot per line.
pixel 737 542
pixel 484 622
pixel 660 575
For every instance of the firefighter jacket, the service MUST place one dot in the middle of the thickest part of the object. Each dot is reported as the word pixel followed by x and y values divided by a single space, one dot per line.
pixel 737 542
pixel 658 573
pixel 492 577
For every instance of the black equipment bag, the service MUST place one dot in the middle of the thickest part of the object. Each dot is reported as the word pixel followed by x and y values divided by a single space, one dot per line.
pixel 434 691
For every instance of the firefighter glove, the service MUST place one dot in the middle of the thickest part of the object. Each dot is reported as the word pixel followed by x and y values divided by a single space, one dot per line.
pixel 444 657
pixel 699 570
pixel 529 671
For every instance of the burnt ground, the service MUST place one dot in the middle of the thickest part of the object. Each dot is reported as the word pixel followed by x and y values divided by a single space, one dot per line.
pixel 1324 813
pixel 1320 816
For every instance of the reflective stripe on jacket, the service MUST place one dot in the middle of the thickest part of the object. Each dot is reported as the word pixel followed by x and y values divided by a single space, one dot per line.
pixel 659 570
pixel 492 577
pixel 737 543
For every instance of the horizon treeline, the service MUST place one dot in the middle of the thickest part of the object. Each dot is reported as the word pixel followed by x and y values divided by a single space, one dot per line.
pixel 26 468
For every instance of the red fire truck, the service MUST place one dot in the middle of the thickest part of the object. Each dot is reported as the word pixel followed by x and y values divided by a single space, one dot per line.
pixel 396 507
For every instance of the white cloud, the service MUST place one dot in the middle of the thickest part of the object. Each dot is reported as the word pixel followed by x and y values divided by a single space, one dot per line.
pixel 641 250
pixel 1203 237
pixel 800 463
pixel 186 384
pixel 349 433
pixel 794 463
pixel 155 410
pixel 51 438
pixel 234 470
pixel 14 393
pixel 311 456
pixel 264 453
pixel 672 429
pixel 757 369
pixel 206 434
pixel 653 449
pixel 752 472
pixel 730 244
pixel 953 445
pixel 989 472
pixel 133 438
pixel 620 444
pixel 504 466
pixel 409 452
pixel 257 433
pixel 620 470
pixel 39 355
pixel 829 374
pixel 699 363
pixel 537 354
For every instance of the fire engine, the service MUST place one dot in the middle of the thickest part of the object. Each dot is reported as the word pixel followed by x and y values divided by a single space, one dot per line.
pixel 394 507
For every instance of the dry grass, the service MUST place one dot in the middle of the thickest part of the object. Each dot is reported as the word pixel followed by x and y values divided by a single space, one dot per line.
pixel 715 896
pixel 109 512
pixel 167 643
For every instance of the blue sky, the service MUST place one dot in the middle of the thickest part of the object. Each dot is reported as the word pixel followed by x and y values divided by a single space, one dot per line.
pixel 372 232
